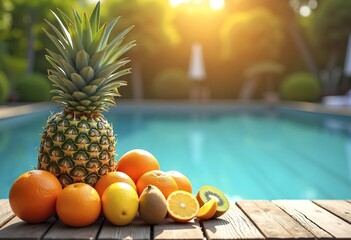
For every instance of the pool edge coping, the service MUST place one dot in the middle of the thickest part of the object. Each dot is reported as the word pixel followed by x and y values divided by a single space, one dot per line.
pixel 10 111
pixel 315 108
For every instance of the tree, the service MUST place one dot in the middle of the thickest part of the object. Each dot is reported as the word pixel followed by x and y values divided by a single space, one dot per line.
pixel 6 7
pixel 153 31
pixel 25 19
pixel 9 62
pixel 292 26
pixel 252 38
pixel 331 30
pixel 267 73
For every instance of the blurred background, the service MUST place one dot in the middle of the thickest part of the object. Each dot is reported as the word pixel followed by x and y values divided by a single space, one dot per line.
pixel 195 49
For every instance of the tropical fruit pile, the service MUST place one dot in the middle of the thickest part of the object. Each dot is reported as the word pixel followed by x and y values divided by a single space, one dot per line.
pixel 137 187
pixel 77 176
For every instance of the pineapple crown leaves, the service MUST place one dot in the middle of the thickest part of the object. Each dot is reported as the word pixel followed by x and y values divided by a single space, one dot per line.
pixel 87 66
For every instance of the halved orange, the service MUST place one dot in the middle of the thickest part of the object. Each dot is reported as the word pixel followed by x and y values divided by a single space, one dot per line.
pixel 208 210
pixel 182 206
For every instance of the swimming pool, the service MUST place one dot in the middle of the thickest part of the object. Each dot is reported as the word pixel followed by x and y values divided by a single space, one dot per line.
pixel 248 152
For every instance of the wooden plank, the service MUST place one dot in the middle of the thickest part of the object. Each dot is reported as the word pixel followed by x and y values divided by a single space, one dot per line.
pixel 330 223
pixel 136 230
pixel 63 232
pixel 340 208
pixel 172 230
pixel 272 221
pixel 6 213
pixel 17 229
pixel 234 224
pixel 287 206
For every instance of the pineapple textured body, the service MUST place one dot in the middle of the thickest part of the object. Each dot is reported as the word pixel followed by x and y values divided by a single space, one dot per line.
pixel 77 148
pixel 78 144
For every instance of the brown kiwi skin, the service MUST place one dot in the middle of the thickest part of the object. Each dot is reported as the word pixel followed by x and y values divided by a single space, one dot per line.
pixel 152 205
pixel 202 202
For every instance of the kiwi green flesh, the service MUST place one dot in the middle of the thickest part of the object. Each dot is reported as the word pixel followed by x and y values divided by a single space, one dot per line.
pixel 207 193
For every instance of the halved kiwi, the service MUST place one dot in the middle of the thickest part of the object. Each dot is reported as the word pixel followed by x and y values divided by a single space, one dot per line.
pixel 208 192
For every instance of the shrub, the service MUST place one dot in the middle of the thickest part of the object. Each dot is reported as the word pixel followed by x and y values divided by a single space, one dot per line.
pixel 301 86
pixel 4 87
pixel 172 83
pixel 14 66
pixel 33 88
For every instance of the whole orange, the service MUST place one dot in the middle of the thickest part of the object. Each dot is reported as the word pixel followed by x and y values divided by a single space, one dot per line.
pixel 33 196
pixel 159 179
pixel 181 180
pixel 136 162
pixel 78 205
pixel 112 177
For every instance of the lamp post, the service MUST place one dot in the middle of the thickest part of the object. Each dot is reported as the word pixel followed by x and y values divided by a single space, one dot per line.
pixel 347 66
pixel 197 73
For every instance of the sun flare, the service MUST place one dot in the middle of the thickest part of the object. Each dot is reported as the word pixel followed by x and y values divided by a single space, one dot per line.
pixel 176 3
pixel 217 4
pixel 213 4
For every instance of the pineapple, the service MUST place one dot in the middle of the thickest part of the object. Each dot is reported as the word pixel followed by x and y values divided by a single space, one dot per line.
pixel 78 143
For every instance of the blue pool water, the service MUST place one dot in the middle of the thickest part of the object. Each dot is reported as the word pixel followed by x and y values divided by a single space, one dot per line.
pixel 248 153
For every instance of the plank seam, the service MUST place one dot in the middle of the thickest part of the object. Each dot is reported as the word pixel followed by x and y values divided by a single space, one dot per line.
pixel 48 229
pixel 293 217
pixel 340 217
pixel 282 225
pixel 7 220
pixel 251 220
pixel 99 230
pixel 7 210
pixel 203 230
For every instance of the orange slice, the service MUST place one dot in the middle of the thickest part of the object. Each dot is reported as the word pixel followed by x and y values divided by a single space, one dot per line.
pixel 208 210
pixel 182 206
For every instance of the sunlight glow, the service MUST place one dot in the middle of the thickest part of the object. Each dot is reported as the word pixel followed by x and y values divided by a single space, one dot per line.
pixel 213 4
pixel 217 4
pixel 304 8
pixel 176 3
pixel 305 11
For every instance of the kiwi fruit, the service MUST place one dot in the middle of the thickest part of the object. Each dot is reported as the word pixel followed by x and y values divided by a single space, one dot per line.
pixel 152 205
pixel 207 193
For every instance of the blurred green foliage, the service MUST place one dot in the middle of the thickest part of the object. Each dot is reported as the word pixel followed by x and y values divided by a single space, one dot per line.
pixel 171 83
pixel 4 88
pixel 265 68
pixel 301 86
pixel 267 75
pixel 33 88
pixel 258 32
pixel 14 66
pixel 235 40
pixel 329 35
pixel 152 21
pixel 21 27
pixel 153 32
pixel 329 23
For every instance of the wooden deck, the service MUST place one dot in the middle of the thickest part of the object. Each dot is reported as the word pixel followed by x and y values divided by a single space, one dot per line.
pixel 279 219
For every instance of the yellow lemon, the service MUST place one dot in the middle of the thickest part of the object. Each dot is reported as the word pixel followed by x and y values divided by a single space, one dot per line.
pixel 120 203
